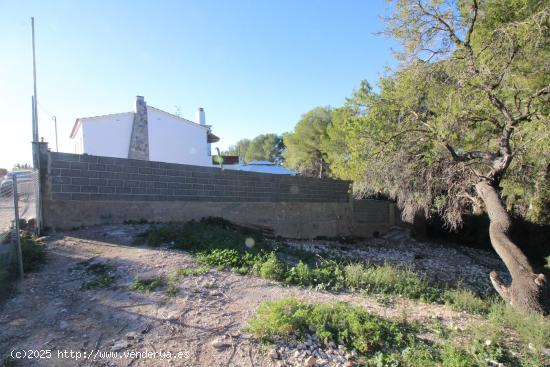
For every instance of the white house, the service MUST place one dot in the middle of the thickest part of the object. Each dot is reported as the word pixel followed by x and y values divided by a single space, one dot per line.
pixel 147 133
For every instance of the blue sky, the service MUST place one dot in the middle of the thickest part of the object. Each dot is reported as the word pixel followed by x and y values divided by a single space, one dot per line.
pixel 255 66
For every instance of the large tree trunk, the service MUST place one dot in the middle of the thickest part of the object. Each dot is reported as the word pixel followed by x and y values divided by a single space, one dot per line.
pixel 528 291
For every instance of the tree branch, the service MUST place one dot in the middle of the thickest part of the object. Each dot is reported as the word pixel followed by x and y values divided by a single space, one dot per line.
pixel 468 156
pixel 472 24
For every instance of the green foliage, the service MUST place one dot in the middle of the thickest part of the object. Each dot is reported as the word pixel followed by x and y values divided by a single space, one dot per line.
pixel 238 149
pixel 341 323
pixel 273 268
pixel 191 272
pixel 530 328
pixel 454 99
pixel 218 243
pixel 101 281
pixel 215 242
pixel 303 146
pixel 265 147
pixel 102 275
pixel 388 279
pixel 382 342
pixel 34 254
pixel 145 285
pixel 466 300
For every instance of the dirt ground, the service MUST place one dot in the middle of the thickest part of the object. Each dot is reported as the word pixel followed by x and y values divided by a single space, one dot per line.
pixel 51 316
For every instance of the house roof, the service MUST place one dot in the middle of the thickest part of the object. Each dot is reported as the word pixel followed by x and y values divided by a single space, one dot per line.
pixel 261 163
pixel 211 137
pixel 268 168
pixel 78 121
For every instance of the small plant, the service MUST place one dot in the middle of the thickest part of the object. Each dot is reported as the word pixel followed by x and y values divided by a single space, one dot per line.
pixel 273 268
pixel 191 272
pixel 146 285
pixel 34 254
pixel 171 288
pixel 103 275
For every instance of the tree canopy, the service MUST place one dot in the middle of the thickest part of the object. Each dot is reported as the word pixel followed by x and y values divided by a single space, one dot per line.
pixel 265 147
pixel 462 124
pixel 239 148
pixel 304 151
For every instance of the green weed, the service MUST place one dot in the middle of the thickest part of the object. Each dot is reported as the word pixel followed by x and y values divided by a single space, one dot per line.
pixel 145 285
pixel 191 272
pixel 34 254
pixel 273 268
pixel 466 300
pixel 340 323
pixel 101 281
pixel 220 244
pixel 383 342
pixel 102 275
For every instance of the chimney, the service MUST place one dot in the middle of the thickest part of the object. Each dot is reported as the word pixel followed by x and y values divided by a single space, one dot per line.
pixel 201 120
pixel 199 116
pixel 139 140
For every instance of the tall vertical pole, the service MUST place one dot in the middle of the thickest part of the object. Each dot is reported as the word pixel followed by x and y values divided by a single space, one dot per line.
pixel 35 141
pixel 16 216
pixel 35 100
pixel 55 124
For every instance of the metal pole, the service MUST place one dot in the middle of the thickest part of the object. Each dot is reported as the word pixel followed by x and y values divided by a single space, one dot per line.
pixel 35 162
pixel 35 100
pixel 55 123
pixel 16 214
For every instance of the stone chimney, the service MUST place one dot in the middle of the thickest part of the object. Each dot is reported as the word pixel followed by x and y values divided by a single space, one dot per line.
pixel 139 140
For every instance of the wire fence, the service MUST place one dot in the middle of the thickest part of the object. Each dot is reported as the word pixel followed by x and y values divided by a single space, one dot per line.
pixel 18 211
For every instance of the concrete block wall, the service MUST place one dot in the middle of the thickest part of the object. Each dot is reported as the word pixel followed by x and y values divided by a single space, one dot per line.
pixel 81 190
pixel 86 177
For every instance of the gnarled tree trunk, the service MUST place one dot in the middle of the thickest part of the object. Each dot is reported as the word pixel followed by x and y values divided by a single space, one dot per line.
pixel 528 291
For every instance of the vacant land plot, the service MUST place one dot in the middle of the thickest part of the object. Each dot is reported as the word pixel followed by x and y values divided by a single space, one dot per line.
pixel 114 303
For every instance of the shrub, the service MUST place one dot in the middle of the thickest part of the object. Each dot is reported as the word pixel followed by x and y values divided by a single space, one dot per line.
pixel 34 254
pixel 273 268
pixel 300 274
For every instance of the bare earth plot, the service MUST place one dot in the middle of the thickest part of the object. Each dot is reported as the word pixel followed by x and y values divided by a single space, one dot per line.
pixel 202 325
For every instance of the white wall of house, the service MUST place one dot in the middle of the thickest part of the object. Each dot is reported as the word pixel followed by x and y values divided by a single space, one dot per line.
pixel 171 139
pixel 176 140
pixel 107 135
pixel 78 141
